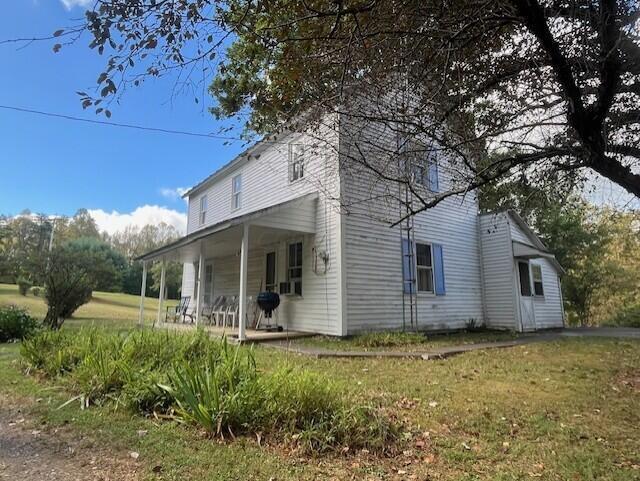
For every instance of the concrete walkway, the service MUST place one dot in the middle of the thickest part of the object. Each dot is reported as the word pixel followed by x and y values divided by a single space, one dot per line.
pixel 444 352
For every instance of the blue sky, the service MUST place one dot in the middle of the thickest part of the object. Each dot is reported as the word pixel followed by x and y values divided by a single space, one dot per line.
pixel 56 166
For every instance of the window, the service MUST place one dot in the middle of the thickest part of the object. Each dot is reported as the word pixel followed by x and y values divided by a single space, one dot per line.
pixel 424 267
pixel 425 172
pixel 236 192
pixel 270 272
pixel 525 280
pixel 536 271
pixel 296 162
pixel 294 267
pixel 203 209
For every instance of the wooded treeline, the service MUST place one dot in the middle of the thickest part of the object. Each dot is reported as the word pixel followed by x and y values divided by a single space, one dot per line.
pixel 27 240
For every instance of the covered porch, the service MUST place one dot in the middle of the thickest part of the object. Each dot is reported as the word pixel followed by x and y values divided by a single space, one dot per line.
pixel 226 264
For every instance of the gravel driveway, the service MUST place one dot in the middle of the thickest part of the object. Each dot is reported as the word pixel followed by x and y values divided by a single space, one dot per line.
pixel 33 454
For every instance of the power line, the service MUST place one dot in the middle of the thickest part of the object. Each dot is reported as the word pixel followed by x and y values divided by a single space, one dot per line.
pixel 121 125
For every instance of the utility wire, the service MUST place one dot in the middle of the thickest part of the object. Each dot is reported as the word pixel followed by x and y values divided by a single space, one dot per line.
pixel 116 124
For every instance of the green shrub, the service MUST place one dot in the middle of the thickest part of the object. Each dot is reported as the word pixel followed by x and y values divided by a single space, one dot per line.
pixel 24 285
pixel 221 394
pixel 206 383
pixel 629 317
pixel 36 291
pixel 16 324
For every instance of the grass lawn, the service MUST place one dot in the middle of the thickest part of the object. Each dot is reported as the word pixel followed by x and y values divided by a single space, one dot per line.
pixel 106 309
pixel 409 341
pixel 563 410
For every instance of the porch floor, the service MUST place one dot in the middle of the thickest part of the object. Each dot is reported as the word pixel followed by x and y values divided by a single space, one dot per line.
pixel 252 335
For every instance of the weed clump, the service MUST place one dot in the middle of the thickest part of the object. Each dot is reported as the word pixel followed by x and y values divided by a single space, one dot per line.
pixel 209 384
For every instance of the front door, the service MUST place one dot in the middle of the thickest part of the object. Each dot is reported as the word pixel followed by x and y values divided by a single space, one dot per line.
pixel 270 282
pixel 527 312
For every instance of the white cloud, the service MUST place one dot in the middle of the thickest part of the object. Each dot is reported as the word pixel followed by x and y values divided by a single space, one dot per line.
pixel 69 4
pixel 173 194
pixel 115 221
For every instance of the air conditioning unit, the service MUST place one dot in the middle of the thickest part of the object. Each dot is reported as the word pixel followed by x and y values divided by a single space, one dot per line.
pixel 285 288
pixel 291 288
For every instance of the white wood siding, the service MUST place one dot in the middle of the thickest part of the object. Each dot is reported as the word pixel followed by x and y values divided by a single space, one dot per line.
pixel 373 258
pixel 518 235
pixel 188 281
pixel 265 182
pixel 548 309
pixel 498 272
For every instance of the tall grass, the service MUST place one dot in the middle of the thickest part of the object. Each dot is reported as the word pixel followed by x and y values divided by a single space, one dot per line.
pixel 207 383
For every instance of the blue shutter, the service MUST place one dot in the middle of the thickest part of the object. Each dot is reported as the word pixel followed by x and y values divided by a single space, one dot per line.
pixel 433 176
pixel 407 267
pixel 438 271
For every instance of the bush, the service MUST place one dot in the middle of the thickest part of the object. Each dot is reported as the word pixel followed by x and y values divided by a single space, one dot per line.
pixel 16 324
pixel 629 317
pixel 23 286
pixel 36 291
pixel 207 383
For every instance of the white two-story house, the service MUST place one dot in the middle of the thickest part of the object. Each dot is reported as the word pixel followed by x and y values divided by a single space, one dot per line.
pixel 274 219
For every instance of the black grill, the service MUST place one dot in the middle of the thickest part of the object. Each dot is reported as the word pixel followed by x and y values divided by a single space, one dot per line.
pixel 268 302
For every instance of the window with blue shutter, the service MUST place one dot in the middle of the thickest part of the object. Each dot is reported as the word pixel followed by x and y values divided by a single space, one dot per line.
pixel 407 267
pixel 438 262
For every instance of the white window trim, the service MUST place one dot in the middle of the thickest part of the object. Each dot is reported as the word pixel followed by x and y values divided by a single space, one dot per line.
pixel 202 215
pixel 288 267
pixel 432 268
pixel 424 164
pixel 533 267
pixel 235 194
pixel 292 147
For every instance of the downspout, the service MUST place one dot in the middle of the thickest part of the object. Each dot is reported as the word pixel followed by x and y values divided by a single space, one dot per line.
pixel 483 295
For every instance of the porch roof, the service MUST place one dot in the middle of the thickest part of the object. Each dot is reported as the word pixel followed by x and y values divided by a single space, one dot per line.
pixel 273 216
pixel 525 251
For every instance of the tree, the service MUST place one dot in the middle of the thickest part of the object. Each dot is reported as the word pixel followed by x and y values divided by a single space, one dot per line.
pixel 134 241
pixel 23 241
pixel 68 286
pixel 104 264
pixel 173 278
pixel 80 226
pixel 501 88
pixel 73 271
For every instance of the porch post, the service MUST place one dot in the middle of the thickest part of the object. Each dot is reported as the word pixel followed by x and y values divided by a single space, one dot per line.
pixel 242 308
pixel 161 294
pixel 199 286
pixel 143 290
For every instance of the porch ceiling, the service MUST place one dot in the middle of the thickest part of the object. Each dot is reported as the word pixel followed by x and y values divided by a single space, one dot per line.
pixel 268 225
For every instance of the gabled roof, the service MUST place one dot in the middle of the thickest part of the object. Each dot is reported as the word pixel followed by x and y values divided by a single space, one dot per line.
pixel 539 246
pixel 254 151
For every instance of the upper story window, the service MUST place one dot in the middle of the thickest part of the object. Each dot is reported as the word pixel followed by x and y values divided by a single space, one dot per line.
pixel 203 209
pixel 424 169
pixel 296 162
pixel 236 192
